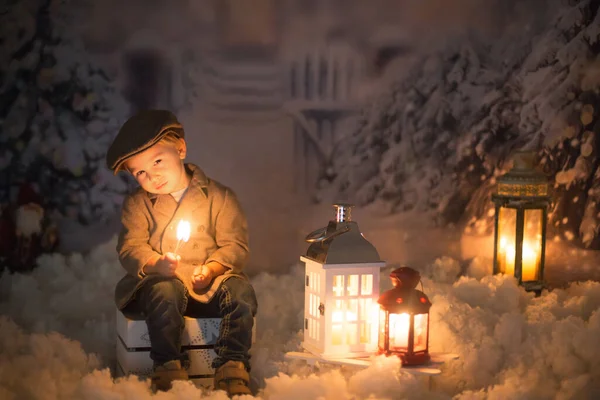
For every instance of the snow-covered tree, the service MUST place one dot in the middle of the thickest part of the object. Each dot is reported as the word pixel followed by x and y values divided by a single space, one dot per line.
pixel 59 113
pixel 439 138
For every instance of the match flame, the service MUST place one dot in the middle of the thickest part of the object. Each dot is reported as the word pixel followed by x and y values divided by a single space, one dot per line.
pixel 183 230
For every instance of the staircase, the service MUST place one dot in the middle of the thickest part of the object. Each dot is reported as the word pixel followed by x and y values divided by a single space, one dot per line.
pixel 237 88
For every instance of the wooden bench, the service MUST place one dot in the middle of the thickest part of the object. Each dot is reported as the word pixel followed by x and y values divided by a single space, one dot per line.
pixel 199 337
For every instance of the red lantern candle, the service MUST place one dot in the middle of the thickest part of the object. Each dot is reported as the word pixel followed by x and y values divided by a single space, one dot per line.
pixel 404 319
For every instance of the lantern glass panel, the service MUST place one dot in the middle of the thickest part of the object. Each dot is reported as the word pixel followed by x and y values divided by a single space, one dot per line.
pixel 352 288
pixel 337 322
pixel 382 329
pixel 399 328
pixel 312 302
pixel 420 341
pixel 366 320
pixel 352 312
pixel 338 285
pixel 352 320
pixel 532 244
pixel 366 285
pixel 507 230
pixel 351 334
pixel 336 335
pixel 317 327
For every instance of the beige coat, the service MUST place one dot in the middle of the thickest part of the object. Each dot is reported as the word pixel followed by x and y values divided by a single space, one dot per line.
pixel 219 232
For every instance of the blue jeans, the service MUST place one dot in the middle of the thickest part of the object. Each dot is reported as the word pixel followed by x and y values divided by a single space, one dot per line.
pixel 164 301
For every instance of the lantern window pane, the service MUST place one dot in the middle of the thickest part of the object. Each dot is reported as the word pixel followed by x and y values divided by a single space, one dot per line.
pixel 382 329
pixel 420 337
pixel 318 307
pixel 351 334
pixel 336 334
pixel 352 311
pixel 337 314
pixel 398 331
pixel 311 304
pixel 352 288
pixel 365 309
pixel 338 285
pixel 368 314
pixel 532 245
pixel 317 282
pixel 318 329
pixel 316 303
pixel 507 230
pixel 365 333
pixel 366 285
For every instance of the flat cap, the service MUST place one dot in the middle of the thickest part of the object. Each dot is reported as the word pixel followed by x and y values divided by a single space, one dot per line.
pixel 140 132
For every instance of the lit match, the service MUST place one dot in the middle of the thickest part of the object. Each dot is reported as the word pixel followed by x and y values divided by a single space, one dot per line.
pixel 183 234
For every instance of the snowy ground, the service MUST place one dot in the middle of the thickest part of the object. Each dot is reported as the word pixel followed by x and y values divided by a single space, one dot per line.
pixel 57 329
pixel 57 325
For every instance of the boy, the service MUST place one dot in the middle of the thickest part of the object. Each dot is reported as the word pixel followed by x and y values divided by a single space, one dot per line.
pixel 204 277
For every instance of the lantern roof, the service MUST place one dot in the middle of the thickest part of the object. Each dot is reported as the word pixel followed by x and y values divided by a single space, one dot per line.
pixel 523 180
pixel 341 241
pixel 404 300
pixel 405 277
pixel 404 297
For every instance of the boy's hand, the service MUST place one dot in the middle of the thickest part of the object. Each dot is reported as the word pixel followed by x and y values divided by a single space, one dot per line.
pixel 165 265
pixel 202 276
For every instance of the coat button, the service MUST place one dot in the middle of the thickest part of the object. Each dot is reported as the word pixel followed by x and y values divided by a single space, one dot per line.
pixel 196 246
pixel 201 228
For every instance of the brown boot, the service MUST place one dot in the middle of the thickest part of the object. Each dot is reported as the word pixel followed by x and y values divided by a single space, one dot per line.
pixel 166 373
pixel 233 378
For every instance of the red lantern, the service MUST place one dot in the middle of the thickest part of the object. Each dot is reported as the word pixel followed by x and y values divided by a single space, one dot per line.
pixel 404 319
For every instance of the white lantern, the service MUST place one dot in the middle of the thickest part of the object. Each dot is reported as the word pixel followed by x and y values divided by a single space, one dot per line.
pixel 342 289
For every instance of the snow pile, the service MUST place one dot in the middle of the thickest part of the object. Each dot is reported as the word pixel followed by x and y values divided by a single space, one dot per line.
pixel 515 346
pixel 58 331
pixel 54 362
pixel 71 295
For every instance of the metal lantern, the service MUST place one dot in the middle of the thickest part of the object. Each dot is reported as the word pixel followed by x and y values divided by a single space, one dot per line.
pixel 521 202
pixel 342 287
pixel 404 319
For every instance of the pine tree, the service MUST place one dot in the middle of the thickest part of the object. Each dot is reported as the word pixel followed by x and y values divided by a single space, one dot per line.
pixel 59 113
pixel 438 139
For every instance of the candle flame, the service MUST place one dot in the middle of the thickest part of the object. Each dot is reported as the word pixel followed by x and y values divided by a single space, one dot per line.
pixel 183 230
pixel 399 329
pixel 529 259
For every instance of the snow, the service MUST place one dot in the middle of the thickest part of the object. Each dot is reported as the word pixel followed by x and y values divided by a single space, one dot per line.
pixel 58 330
pixel 416 145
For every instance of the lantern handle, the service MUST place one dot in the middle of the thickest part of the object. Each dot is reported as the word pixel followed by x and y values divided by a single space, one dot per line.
pixel 316 235
pixel 320 235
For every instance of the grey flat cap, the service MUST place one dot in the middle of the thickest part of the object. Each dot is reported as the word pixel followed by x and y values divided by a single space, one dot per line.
pixel 140 132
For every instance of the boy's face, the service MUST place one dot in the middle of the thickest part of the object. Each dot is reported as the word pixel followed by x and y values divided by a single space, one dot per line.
pixel 159 169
